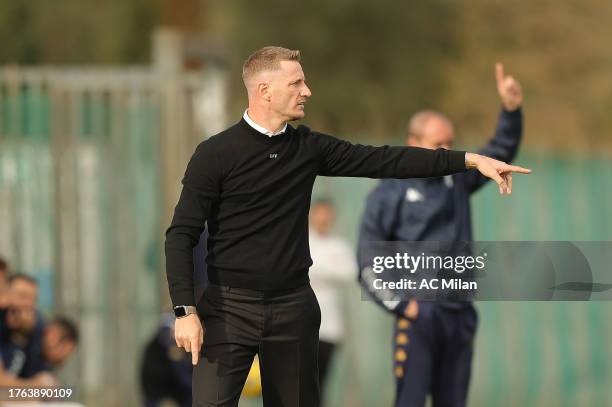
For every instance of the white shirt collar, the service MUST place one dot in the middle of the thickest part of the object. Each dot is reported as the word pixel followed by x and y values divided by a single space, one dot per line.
pixel 261 129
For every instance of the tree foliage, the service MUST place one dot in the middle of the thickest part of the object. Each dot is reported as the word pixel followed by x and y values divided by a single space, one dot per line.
pixel 369 63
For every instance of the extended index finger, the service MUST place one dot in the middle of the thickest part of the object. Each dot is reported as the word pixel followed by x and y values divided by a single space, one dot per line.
pixel 499 73
pixel 520 170
pixel 195 351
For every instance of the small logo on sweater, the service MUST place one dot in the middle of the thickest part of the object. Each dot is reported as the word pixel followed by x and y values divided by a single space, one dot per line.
pixel 274 155
pixel 413 195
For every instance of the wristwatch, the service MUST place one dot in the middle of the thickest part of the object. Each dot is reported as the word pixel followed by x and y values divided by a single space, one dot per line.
pixel 181 311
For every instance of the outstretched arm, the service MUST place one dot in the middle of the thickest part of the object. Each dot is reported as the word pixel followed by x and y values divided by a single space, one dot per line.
pixel 343 159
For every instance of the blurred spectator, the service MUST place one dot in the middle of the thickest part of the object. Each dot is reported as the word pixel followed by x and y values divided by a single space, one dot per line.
pixel 31 350
pixel 60 339
pixel 4 297
pixel 333 267
pixel 23 296
pixel 166 369
pixel 21 332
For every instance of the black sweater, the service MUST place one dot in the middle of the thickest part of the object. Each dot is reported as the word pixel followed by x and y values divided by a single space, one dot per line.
pixel 254 191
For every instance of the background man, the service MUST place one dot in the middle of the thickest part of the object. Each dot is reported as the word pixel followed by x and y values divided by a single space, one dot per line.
pixel 333 267
pixel 433 341
pixel 22 333
pixel 60 340
pixel 30 350
pixel 252 184
pixel 165 372
pixel 4 296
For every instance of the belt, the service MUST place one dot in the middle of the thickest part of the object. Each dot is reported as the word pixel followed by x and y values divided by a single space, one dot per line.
pixel 256 293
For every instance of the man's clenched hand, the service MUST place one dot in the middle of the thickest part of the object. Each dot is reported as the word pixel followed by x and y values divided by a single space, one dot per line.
pixel 189 334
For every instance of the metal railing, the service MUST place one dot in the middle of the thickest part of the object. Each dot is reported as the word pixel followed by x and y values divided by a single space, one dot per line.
pixel 90 163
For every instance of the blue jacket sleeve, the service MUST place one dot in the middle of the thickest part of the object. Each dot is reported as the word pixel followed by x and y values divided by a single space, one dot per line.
pixel 503 146
pixel 378 223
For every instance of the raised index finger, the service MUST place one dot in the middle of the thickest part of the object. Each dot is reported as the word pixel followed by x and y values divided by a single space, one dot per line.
pixel 499 73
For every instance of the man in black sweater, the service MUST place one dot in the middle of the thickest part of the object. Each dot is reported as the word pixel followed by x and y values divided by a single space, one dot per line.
pixel 252 185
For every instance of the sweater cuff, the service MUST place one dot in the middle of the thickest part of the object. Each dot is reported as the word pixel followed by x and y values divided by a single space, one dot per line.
pixel 457 161
pixel 182 298
pixel 515 112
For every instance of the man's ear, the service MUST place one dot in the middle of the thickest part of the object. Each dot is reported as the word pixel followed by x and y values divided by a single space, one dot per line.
pixel 412 140
pixel 263 90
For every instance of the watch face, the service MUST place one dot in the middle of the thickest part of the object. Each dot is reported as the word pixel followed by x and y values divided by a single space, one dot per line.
pixel 180 312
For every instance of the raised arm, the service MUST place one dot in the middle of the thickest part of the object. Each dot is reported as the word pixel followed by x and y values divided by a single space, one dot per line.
pixel 505 143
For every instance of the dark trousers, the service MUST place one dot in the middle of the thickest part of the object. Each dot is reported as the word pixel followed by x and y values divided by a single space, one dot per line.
pixel 326 351
pixel 433 355
pixel 282 327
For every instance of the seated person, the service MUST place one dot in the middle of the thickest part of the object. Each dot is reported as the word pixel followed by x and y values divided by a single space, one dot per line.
pixel 60 338
pixel 29 348
pixel 4 296
pixel 22 325
pixel 21 328
pixel 165 372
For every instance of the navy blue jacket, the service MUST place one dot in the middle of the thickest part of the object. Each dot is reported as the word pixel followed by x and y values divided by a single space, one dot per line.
pixel 429 209
pixel 23 360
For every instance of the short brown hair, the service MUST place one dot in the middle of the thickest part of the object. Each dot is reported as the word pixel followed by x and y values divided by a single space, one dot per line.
pixel 267 58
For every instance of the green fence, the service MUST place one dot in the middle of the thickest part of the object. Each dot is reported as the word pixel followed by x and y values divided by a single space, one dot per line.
pixel 90 162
